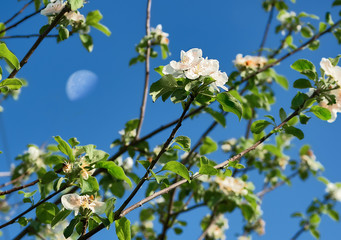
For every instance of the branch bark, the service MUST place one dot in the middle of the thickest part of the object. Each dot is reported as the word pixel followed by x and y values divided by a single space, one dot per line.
pixel 19 188
pixel 20 11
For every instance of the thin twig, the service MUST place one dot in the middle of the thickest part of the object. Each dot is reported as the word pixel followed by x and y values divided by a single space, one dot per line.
pixel 188 209
pixel 212 221
pixel 33 207
pixel 19 188
pixel 27 36
pixel 20 11
pixel 22 20
pixel 39 40
pixel 266 30
pixel 147 70
pixel 15 180
pixel 281 46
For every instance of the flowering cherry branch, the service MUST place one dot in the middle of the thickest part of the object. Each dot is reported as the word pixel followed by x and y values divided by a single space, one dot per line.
pixel 147 72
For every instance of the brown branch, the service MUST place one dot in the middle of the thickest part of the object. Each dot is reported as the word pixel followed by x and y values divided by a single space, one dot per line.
pixel 118 213
pixel 19 188
pixel 266 30
pixel 316 36
pixel 27 36
pixel 20 11
pixel 147 70
pixel 281 46
pixel 188 209
pixel 15 180
pixel 212 221
pixel 33 207
pixel 39 40
pixel 22 20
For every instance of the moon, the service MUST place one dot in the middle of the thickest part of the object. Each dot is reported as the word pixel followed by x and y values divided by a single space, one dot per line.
pixel 80 84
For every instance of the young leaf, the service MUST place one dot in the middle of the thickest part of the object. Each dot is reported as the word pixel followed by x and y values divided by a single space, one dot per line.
pixel 11 83
pixel 208 146
pixel 46 212
pixel 282 114
pixel 86 40
pixel 114 170
pixel 230 104
pixel 60 216
pixel 69 229
pixel 321 113
pixel 75 4
pixel 217 116
pixel 89 185
pixel 207 170
pixel 305 67
pixel 64 148
pixel 302 83
pixel 49 177
pixel 123 231
pixel 177 168
pixel 9 56
pixel 259 125
pixel 165 85
pixel 184 142
pixel 294 131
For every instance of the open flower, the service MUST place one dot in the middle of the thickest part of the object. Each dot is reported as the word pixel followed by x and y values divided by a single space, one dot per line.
pixel 34 152
pixel 334 190
pixel 330 70
pixel 310 160
pixel 85 172
pixel 232 185
pixel 54 7
pixel 75 16
pixel 192 66
pixel 254 62
pixel 217 230
pixel 160 35
pixel 74 202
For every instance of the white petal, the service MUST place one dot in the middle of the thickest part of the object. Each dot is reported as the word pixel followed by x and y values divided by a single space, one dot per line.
pixel 99 207
pixel 190 74
pixel 327 66
pixel 71 201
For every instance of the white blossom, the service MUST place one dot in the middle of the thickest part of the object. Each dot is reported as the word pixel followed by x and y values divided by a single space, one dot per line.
pixel 192 66
pixel 160 34
pixel 334 191
pixel 232 185
pixel 34 152
pixel 330 70
pixel 260 227
pixel 54 7
pixel 310 160
pixel 253 62
pixel 244 238
pixel 75 16
pixel 217 230
pixel 284 15
pixel 74 202
pixel 128 163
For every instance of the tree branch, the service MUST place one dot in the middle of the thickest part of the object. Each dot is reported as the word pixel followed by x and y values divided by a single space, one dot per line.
pixel 266 30
pixel 20 11
pixel 28 36
pixel 39 40
pixel 19 188
pixel 211 223
pixel 147 70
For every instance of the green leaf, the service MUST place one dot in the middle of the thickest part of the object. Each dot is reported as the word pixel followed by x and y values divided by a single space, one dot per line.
pixel 282 114
pixel 217 116
pixel 159 70
pixel 295 132
pixel 75 4
pixel 336 3
pixel 114 170
pixel 259 125
pixel 333 214
pixel 102 28
pixel 11 83
pixel 305 67
pixel 304 118
pixel 144 163
pixel 208 146
pixel 123 230
pixel 177 168
pixel 282 81
pixel 46 212
pixel 63 33
pixel 321 113
pixel 230 104
pixel 273 149
pixel 9 56
pixel 302 83
pixel 298 100
pixel 315 233
pixel 60 216
pixel 49 177
pixel 37 4
pixel 179 95
pixel 166 84
pixel 93 17
pixel 322 27
pixel 247 211
pixel 315 219
pixel 207 170
pixel 307 32
pixel 89 185
pixel 69 229
pixel 64 148
pixel 23 221
pixel 109 208
pixel 86 40
pixel 73 142
pixel 184 142
pixel 28 194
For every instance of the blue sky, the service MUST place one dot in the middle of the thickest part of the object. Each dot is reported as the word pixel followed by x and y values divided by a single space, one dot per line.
pixel 222 29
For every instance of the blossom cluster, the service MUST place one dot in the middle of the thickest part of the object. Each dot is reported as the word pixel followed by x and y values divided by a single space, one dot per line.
pixel 334 190
pixel 74 202
pixel 253 62
pixel 56 6
pixel 159 35
pixel 333 72
pixel 216 230
pixel 192 66
pixel 85 169
pixel 232 185
pixel 310 160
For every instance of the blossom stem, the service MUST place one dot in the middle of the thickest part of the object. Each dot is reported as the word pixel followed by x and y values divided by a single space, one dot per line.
pixel 19 188
pixel 27 36
pixel 147 72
